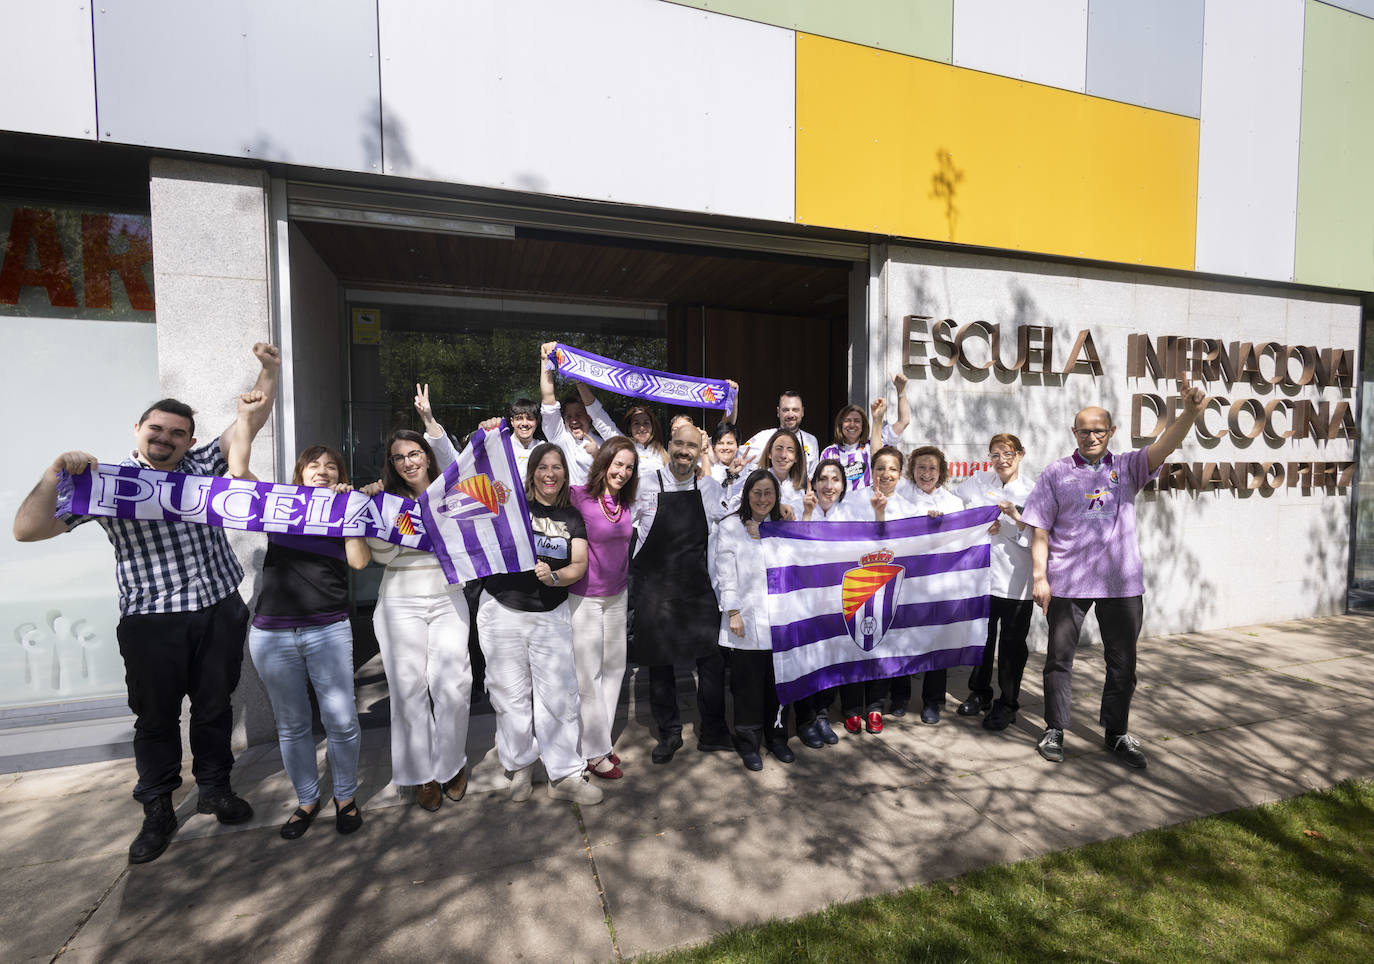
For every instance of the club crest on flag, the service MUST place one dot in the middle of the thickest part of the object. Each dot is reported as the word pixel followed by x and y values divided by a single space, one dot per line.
pixel 474 497
pixel 404 524
pixel 869 598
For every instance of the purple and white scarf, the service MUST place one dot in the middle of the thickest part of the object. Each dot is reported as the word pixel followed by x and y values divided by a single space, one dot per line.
pixel 626 379
pixel 854 601
pixel 473 516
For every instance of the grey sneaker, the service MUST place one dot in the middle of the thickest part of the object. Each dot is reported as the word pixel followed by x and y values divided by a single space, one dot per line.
pixel 1051 745
pixel 576 788
pixel 1127 749
pixel 521 784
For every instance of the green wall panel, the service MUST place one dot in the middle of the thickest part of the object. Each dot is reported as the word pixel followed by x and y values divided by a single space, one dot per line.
pixel 921 28
pixel 1335 235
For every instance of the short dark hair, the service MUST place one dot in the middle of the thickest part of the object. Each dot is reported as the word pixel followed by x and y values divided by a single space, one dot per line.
pixel 172 407
pixel 596 475
pixel 844 479
pixel 313 453
pixel 523 406
pixel 391 479
pixel 789 393
pixel 755 477
pixel 722 430
pixel 537 456
pixel 573 398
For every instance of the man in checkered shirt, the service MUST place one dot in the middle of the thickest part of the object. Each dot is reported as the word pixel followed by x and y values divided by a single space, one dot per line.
pixel 182 621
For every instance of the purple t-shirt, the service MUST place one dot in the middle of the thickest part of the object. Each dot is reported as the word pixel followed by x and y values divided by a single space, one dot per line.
pixel 608 547
pixel 1089 513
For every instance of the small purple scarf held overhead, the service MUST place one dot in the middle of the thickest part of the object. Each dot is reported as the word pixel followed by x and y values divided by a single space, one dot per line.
pixel 626 379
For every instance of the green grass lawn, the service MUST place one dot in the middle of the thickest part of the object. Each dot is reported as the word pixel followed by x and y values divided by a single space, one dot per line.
pixel 1291 881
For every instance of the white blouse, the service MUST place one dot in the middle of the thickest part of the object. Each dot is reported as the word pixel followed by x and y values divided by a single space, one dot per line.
pixel 1011 558
pixel 741 582
pixel 414 572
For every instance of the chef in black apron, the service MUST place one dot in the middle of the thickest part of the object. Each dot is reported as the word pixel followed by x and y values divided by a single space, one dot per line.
pixel 677 618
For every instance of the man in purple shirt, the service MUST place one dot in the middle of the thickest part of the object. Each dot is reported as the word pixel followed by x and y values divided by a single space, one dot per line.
pixel 1084 553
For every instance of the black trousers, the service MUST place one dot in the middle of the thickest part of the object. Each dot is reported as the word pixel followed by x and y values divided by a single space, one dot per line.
pixel 1120 620
pixel 1008 626
pixel 899 688
pixel 816 705
pixel 169 656
pixel 710 699
pixel 759 720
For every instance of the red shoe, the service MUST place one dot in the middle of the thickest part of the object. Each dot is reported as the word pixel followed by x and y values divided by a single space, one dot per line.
pixel 853 724
pixel 875 722
pixel 613 758
pixel 614 773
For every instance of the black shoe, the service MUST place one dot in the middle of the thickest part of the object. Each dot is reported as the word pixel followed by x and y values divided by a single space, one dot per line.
pixel 715 745
pixel 159 823
pixel 999 717
pixel 1127 749
pixel 827 734
pixel 783 752
pixel 349 819
pixel 752 760
pixel 975 704
pixel 299 822
pixel 225 804
pixel 667 746
pixel 810 735
pixel 1051 745
pixel 930 713
pixel 897 709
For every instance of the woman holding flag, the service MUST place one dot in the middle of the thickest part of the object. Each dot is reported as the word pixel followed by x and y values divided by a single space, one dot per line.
pixel 422 630
pixel 740 579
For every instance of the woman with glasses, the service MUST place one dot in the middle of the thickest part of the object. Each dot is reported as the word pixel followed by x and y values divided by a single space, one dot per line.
pixel 422 631
pixel 1010 617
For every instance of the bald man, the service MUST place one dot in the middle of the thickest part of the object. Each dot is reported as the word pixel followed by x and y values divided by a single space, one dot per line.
pixel 1085 554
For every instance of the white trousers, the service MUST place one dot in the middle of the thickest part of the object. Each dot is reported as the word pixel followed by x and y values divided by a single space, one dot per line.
pixel 598 625
pixel 424 644
pixel 533 686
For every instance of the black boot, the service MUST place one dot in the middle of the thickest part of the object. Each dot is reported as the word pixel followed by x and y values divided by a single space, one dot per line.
pixel 159 823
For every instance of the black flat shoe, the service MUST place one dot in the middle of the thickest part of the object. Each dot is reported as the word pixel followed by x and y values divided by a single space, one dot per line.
pixel 752 760
pixel 667 746
pixel 299 822
pixel 349 818
pixel 159 823
pixel 782 752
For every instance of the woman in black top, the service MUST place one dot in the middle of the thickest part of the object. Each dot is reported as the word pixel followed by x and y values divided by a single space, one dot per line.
pixel 301 637
pixel 525 630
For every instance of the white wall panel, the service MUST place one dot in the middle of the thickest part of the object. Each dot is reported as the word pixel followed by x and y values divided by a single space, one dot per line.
pixel 1042 41
pixel 294 82
pixel 620 100
pixel 1248 148
pixel 47 74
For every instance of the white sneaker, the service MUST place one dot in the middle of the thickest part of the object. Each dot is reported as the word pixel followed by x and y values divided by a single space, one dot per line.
pixel 576 788
pixel 521 784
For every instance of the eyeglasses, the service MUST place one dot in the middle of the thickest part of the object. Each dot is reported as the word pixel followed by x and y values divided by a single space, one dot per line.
pixel 1001 456
pixel 415 458
pixel 1091 432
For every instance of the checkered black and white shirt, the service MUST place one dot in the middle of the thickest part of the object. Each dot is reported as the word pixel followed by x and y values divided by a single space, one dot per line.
pixel 171 567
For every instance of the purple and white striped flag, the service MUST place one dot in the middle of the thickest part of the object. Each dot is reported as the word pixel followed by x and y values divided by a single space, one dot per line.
pixel 855 601
pixel 636 382
pixel 475 511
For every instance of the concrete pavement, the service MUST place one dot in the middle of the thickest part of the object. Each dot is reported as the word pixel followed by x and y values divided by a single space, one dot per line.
pixel 676 853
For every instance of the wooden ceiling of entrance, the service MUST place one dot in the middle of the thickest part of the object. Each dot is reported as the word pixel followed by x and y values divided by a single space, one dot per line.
pixel 574 267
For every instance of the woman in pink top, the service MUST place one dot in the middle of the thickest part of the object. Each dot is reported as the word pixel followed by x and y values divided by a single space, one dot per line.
pixel 597 599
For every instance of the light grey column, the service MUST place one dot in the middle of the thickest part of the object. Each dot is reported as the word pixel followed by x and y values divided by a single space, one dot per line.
pixel 213 280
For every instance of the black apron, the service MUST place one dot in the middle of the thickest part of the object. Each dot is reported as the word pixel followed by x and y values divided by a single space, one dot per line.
pixel 677 617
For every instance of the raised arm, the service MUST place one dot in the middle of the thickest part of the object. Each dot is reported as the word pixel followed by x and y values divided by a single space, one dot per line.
pixel 547 395
pixel 1194 401
pixel 733 415
pixel 241 444
pixel 903 406
pixel 432 428
pixel 878 409
pixel 36 519
pixel 269 357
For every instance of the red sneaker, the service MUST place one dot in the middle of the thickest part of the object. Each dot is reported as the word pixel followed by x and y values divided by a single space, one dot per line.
pixel 875 722
pixel 853 724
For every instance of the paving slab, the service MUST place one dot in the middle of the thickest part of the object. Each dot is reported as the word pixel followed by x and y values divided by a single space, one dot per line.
pixel 45 903
pixel 1317 749
pixel 681 886
pixel 1273 645
pixel 1171 709
pixel 1350 674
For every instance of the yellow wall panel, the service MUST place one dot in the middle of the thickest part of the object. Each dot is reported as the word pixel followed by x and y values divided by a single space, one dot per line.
pixel 912 148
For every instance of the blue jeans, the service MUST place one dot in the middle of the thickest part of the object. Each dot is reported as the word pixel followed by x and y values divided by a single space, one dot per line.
pixel 323 655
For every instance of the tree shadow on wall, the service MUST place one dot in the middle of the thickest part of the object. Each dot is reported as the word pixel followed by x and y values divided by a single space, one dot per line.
pixel 944 186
